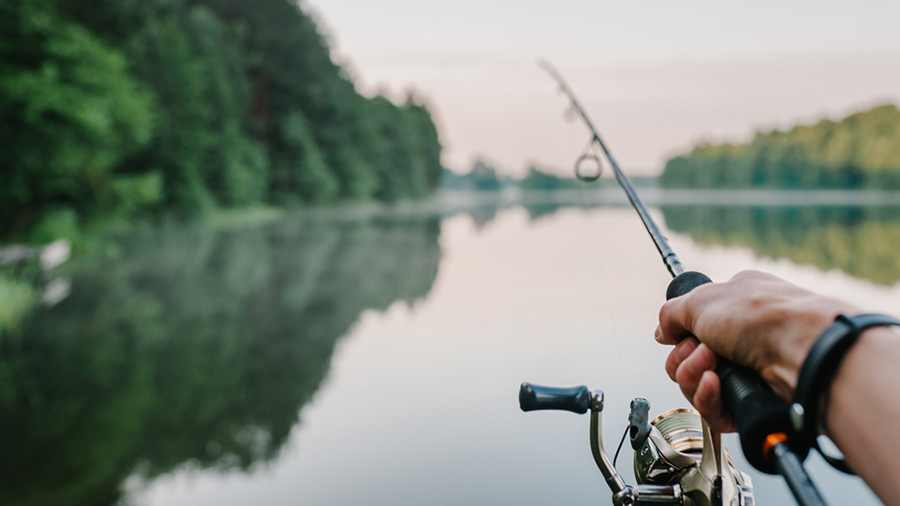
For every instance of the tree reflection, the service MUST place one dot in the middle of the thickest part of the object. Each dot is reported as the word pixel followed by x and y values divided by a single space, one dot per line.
pixel 188 345
pixel 861 241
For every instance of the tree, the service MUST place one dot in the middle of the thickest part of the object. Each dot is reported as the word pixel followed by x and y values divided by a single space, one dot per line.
pixel 69 114
pixel 859 151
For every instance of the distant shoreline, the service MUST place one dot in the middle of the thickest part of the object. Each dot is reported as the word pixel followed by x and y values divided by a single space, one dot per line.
pixel 614 196
pixel 446 203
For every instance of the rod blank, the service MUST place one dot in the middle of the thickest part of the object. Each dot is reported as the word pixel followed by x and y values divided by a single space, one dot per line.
pixel 673 264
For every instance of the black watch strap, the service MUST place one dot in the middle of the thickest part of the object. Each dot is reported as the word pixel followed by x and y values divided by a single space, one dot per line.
pixel 819 369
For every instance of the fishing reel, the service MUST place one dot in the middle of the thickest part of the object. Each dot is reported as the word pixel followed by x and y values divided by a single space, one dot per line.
pixel 677 459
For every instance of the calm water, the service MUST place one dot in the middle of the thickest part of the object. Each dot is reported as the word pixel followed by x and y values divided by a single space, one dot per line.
pixel 376 360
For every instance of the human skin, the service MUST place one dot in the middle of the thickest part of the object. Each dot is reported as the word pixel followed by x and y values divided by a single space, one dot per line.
pixel 767 324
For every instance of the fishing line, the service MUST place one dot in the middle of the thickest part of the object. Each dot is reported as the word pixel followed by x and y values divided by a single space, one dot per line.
pixel 582 192
pixel 619 448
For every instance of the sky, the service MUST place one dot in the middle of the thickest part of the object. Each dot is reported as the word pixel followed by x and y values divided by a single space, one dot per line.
pixel 656 76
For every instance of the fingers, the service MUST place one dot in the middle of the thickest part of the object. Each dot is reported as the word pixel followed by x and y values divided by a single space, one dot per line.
pixel 680 352
pixel 671 328
pixel 708 401
pixel 677 316
pixel 706 311
pixel 691 369
pixel 692 365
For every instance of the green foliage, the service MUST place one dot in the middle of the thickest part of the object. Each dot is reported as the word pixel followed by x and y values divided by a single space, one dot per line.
pixel 17 299
pixel 69 114
pixel 302 171
pixel 482 177
pixel 538 179
pixel 135 191
pixel 137 106
pixel 187 345
pixel 860 151
pixel 58 223
pixel 405 148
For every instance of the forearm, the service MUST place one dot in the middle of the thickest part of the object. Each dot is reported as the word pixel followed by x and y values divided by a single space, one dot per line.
pixel 863 410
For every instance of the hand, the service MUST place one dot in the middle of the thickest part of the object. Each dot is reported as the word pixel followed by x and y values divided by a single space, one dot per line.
pixel 754 319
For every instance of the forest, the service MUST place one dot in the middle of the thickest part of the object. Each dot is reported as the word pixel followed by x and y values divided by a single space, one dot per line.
pixel 861 151
pixel 117 109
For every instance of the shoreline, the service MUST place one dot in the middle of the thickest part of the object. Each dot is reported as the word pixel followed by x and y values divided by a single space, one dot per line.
pixel 654 197
pixel 451 202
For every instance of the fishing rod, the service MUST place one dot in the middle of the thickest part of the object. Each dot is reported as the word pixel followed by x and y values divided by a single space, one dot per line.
pixel 659 240
pixel 762 418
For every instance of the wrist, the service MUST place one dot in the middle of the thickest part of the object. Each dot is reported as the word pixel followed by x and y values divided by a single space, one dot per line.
pixel 821 367
pixel 804 322
pixel 872 345
pixel 860 411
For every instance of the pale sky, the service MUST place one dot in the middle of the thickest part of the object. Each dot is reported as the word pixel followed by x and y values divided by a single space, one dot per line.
pixel 655 76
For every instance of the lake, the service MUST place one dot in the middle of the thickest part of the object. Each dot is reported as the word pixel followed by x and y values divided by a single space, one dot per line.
pixel 374 357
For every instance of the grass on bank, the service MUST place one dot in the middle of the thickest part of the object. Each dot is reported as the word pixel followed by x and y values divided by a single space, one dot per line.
pixel 17 298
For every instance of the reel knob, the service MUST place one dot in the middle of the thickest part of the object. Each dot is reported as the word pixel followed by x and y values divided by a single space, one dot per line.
pixel 639 422
pixel 535 397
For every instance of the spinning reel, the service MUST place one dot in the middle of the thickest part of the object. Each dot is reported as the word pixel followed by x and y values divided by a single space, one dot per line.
pixel 677 459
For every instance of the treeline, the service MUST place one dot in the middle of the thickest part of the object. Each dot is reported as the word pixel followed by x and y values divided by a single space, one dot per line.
pixel 117 107
pixel 483 177
pixel 862 151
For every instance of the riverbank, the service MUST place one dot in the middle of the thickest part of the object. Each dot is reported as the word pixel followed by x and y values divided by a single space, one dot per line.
pixel 656 196
pixel 450 202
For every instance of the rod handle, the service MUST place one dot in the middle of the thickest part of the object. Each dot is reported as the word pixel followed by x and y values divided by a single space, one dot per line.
pixel 535 397
pixel 757 410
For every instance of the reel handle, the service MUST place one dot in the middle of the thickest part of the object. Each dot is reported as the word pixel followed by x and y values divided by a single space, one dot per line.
pixel 535 397
pixel 758 412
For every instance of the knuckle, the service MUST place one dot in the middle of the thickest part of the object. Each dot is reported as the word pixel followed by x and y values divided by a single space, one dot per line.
pixel 672 364
pixel 686 374
pixel 665 312
pixel 709 358
pixel 749 274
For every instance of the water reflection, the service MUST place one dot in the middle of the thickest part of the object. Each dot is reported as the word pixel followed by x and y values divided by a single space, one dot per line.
pixel 191 345
pixel 860 241
pixel 199 347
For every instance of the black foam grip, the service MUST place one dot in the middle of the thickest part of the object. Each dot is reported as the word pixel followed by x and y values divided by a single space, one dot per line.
pixel 574 399
pixel 757 411
pixel 685 282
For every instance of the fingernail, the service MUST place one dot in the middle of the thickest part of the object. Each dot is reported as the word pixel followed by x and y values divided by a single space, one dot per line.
pixel 656 333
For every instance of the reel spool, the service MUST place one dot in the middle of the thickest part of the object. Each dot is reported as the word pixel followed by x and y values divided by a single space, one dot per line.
pixel 682 428
pixel 674 444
